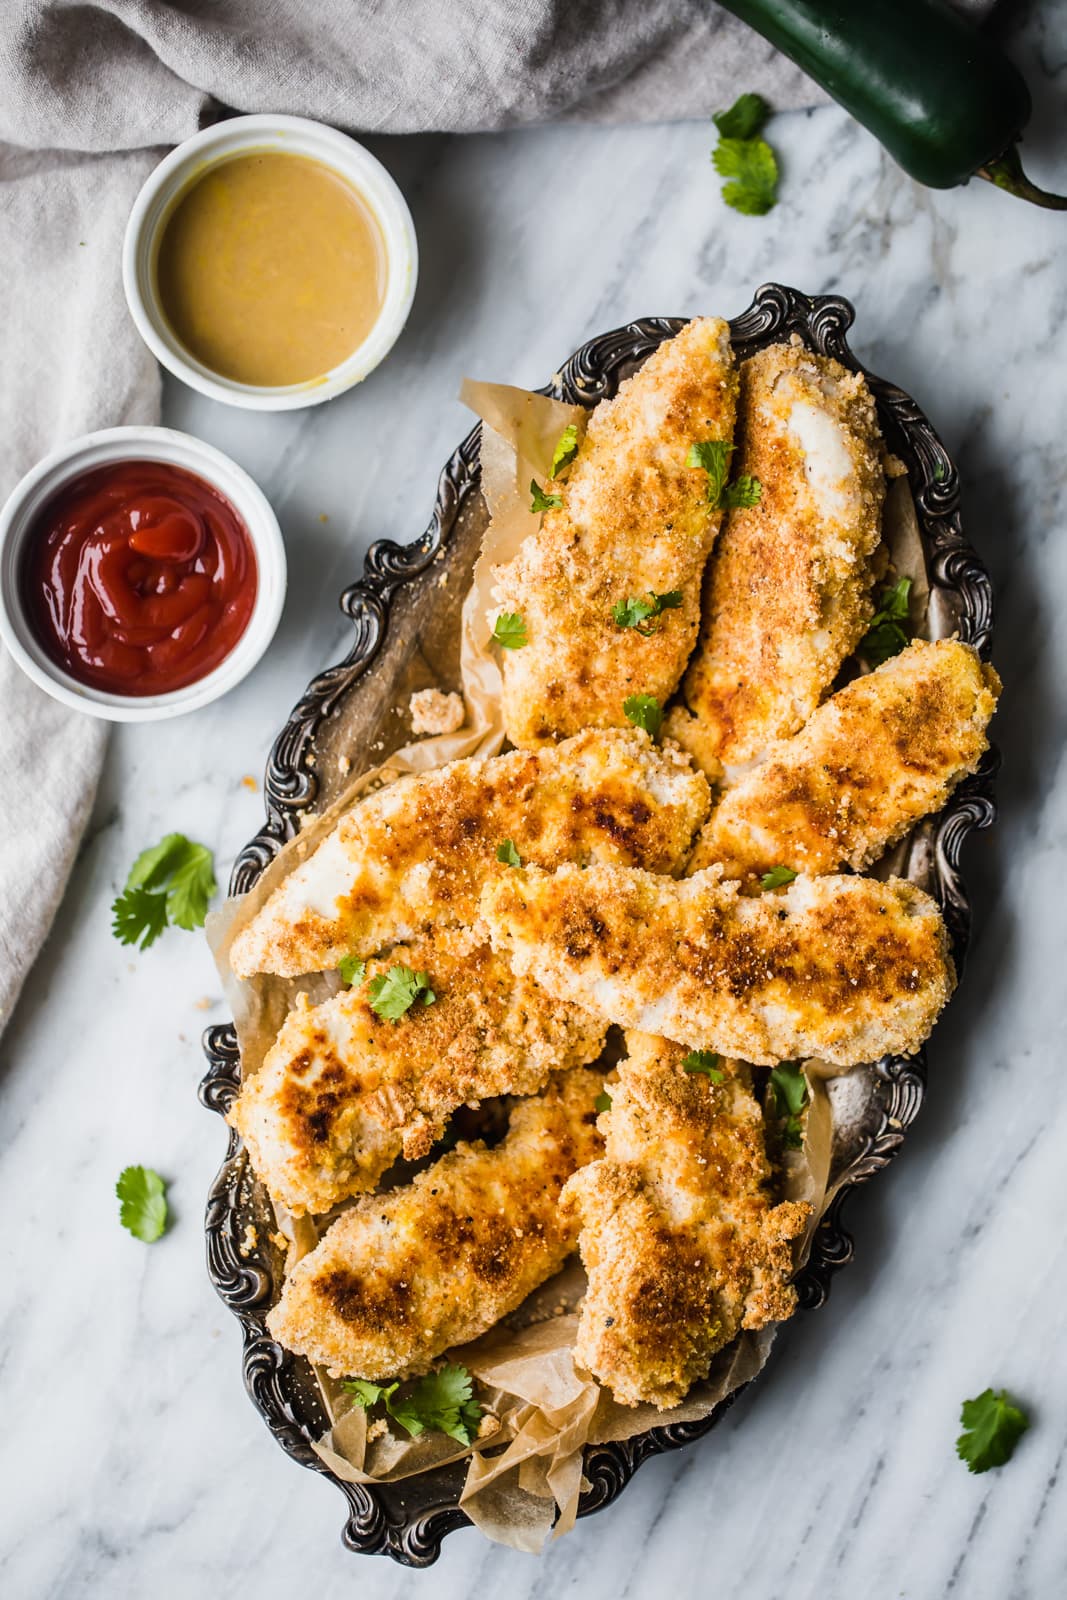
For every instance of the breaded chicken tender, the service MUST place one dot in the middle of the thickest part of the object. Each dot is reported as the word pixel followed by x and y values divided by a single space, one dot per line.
pixel 845 968
pixel 787 592
pixel 635 520
pixel 413 856
pixel 406 1275
pixel 877 756
pixel 680 1240
pixel 343 1092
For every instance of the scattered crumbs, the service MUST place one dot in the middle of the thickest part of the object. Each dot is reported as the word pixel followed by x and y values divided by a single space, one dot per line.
pixel 248 782
pixel 323 517
pixel 250 1239
pixel 489 1424
pixel 344 765
pixel 442 582
pixel 279 1241
pixel 205 1003
pixel 377 1430
pixel 311 758
pixel 434 712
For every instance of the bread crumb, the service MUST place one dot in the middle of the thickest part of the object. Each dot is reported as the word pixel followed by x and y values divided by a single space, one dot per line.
pixel 250 1240
pixel 323 517
pixel 205 1003
pixel 344 765
pixel 435 712
pixel 279 1241
pixel 377 1429
pixel 248 782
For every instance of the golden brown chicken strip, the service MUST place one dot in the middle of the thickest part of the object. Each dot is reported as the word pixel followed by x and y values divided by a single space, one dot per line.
pixel 844 968
pixel 787 592
pixel 413 856
pixel 635 521
pixel 343 1091
pixel 877 756
pixel 406 1275
pixel 680 1240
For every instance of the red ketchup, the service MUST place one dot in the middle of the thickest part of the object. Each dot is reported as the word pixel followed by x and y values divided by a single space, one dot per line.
pixel 139 578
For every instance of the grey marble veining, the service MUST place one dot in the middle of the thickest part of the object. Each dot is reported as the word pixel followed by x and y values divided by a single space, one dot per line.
pixel 132 1463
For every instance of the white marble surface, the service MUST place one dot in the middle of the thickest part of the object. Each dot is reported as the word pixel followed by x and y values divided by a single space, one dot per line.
pixel 132 1463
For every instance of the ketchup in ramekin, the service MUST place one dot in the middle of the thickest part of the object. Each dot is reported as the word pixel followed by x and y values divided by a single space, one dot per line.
pixel 138 578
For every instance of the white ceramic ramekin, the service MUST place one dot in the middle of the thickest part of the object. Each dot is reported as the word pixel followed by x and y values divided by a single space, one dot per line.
pixel 292 136
pixel 139 444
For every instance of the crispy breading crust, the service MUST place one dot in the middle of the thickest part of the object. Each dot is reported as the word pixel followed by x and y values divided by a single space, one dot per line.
pixel 844 968
pixel 634 518
pixel 680 1241
pixel 343 1092
pixel 403 1276
pixel 879 754
pixel 413 857
pixel 787 592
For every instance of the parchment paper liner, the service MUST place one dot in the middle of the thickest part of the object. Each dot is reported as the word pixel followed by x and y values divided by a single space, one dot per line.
pixel 526 1464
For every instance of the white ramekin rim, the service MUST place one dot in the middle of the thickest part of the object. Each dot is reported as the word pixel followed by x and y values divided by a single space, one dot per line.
pixel 69 461
pixel 296 136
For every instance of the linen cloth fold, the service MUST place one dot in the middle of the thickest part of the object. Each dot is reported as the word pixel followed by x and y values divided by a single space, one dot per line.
pixel 89 87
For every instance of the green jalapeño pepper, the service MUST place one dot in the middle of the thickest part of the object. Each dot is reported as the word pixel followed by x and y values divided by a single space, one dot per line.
pixel 941 96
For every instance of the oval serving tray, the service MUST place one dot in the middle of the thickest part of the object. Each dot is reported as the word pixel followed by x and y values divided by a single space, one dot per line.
pixel 405 612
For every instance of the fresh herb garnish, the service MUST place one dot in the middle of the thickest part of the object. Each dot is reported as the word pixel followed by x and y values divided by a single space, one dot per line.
pixel 508 854
pixel 394 992
pixel 441 1402
pixel 744 159
pixel 714 456
pixel 886 635
pixel 352 969
pixel 744 491
pixel 776 877
pixel 791 1095
pixel 542 501
pixel 745 118
pixel 602 1101
pixel 644 711
pixel 509 629
pixel 170 883
pixel 640 614
pixel 706 1062
pixel 566 449
pixel 993 1427
pixel 144 1204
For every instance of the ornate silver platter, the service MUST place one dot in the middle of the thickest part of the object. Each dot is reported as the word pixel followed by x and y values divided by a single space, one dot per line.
pixel 404 613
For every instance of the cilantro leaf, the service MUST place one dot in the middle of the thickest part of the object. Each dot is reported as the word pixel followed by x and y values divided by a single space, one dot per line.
pixel 507 853
pixel 441 1402
pixel 542 501
pixel 172 882
pixel 566 449
pixel 777 877
pixel 191 886
pixel 143 1208
pixel 887 635
pixel 639 613
pixel 789 1087
pixel 602 1101
pixel 368 1394
pixel 752 169
pixel 394 992
pixel 139 915
pixel 644 711
pixel 509 629
pixel 714 456
pixel 744 491
pixel 745 118
pixel 706 1062
pixel 352 969
pixel 993 1427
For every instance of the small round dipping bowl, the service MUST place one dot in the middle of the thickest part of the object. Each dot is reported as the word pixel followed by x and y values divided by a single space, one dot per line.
pixel 278 135
pixel 29 498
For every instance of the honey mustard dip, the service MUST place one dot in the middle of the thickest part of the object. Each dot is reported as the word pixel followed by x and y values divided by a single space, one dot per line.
pixel 271 269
